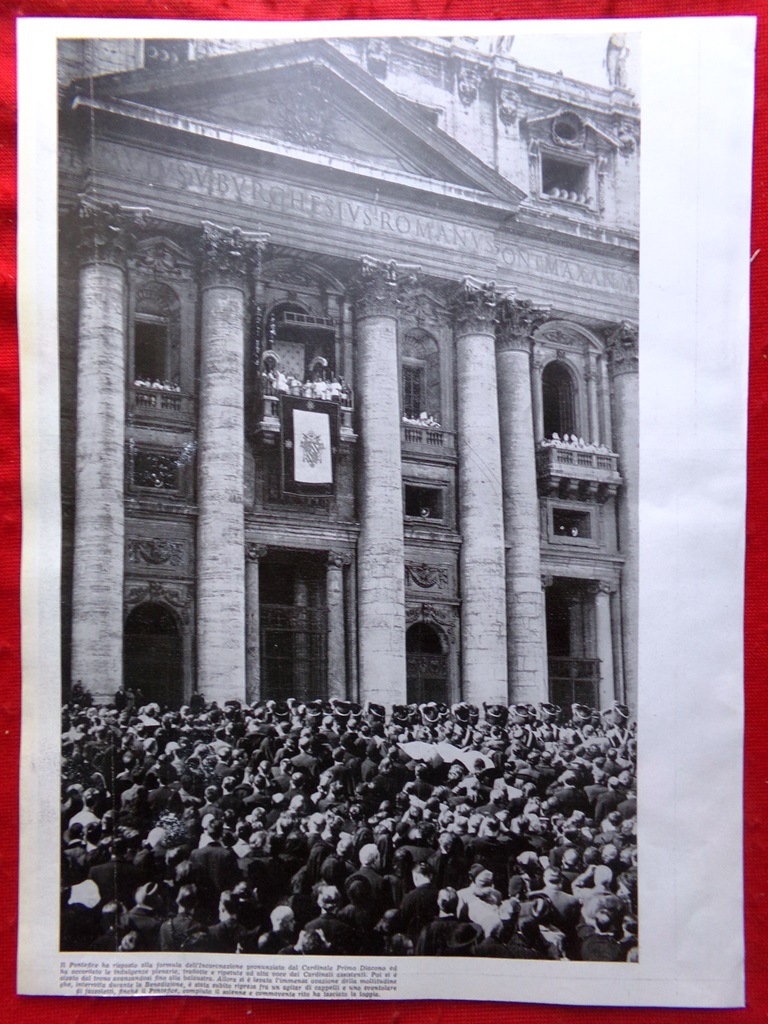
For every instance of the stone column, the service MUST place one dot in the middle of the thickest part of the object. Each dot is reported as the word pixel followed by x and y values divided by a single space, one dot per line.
pixel 350 611
pixel 381 586
pixel 526 632
pixel 593 407
pixel 537 399
pixel 253 555
pixel 337 655
pixel 623 367
pixel 483 591
pixel 605 396
pixel 604 638
pixel 97 584
pixel 220 526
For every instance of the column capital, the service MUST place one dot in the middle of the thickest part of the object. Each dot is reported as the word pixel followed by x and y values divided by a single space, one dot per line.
pixel 547 580
pixel 228 253
pixel 516 322
pixel 255 552
pixel 474 306
pixel 622 342
pixel 375 288
pixel 339 559
pixel 601 587
pixel 107 230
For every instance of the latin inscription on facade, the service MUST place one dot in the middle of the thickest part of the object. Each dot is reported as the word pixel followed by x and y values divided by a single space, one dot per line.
pixel 274 196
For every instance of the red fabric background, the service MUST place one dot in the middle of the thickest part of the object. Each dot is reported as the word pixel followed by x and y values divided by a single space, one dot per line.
pixel 162 1011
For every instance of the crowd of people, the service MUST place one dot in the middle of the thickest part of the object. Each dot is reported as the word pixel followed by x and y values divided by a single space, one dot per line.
pixel 328 828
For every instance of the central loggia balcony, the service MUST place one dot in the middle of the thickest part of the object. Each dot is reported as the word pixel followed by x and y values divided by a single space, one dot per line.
pixel 573 469
pixel 269 404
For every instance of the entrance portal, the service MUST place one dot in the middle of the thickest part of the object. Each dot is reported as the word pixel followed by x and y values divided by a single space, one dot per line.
pixel 152 655
pixel 294 627
pixel 426 665
pixel 574 671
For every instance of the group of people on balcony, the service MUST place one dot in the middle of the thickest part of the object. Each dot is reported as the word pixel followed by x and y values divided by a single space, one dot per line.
pixel 572 441
pixel 424 419
pixel 328 828
pixel 318 383
pixel 156 385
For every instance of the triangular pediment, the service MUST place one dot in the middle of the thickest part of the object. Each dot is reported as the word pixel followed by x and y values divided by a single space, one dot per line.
pixel 307 102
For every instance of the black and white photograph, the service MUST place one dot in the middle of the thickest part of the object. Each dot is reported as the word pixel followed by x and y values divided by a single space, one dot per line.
pixel 348 385
pixel 349 368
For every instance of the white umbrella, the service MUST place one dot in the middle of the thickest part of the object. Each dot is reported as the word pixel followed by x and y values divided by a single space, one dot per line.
pixel 418 750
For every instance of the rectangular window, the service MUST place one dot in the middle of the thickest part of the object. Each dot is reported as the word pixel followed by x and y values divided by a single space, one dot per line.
pixel 570 523
pixel 413 391
pixel 150 351
pixel 423 502
pixel 564 179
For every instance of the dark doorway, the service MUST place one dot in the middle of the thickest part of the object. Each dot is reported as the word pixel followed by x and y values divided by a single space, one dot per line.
pixel 426 664
pixel 574 672
pixel 558 395
pixel 153 656
pixel 294 626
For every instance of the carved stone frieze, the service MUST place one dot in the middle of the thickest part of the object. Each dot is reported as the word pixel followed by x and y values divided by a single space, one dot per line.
pixel 176 595
pixel 424 309
pixel 161 258
pixel 108 230
pixel 376 288
pixel 474 306
pixel 444 616
pixel 468 83
pixel 507 106
pixel 516 321
pixel 623 348
pixel 427 577
pixel 157 552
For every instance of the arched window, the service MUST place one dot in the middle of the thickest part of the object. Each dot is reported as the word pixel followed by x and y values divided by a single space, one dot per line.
pixel 426 664
pixel 559 400
pixel 153 655
pixel 420 376
pixel 156 332
pixel 302 340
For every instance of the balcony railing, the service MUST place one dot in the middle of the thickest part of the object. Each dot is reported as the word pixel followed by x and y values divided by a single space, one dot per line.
pixel 573 469
pixel 161 402
pixel 427 440
pixel 269 402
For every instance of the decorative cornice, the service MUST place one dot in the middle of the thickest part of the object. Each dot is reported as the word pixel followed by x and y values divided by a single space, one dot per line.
pixel 474 306
pixel 375 289
pixel 107 230
pixel 622 343
pixel 227 254
pixel 516 322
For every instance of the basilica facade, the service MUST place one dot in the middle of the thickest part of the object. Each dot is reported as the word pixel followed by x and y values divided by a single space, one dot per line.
pixel 348 372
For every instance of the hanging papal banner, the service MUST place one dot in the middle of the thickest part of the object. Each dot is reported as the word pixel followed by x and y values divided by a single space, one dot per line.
pixel 310 430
